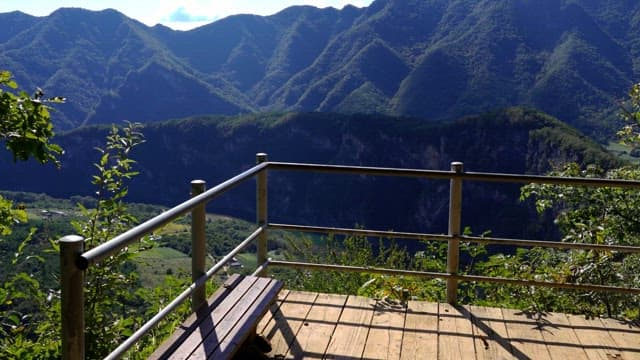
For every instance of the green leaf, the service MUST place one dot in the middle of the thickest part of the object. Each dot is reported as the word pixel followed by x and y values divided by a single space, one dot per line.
pixel 14 319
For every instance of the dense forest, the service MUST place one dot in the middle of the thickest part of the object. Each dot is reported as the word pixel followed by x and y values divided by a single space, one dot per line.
pixel 215 148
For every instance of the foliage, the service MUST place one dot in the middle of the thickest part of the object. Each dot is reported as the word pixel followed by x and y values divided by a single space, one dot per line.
pixel 630 132
pixel 30 314
pixel 9 216
pixel 360 251
pixel 354 251
pixel 537 264
pixel 26 130
pixel 593 215
pixel 109 282
pixel 25 124
pixel 222 234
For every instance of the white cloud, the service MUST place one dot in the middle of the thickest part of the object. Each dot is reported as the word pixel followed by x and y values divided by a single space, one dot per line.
pixel 181 15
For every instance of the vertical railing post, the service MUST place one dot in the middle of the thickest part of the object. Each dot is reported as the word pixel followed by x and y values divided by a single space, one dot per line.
pixel 261 210
pixel 455 214
pixel 198 247
pixel 72 298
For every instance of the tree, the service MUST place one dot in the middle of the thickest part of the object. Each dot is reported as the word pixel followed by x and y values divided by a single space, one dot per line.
pixel 26 130
pixel 109 281
pixel 30 315
pixel 609 216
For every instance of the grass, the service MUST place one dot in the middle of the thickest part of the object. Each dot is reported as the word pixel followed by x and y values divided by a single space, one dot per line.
pixel 249 261
pixel 154 264
pixel 173 228
pixel 622 152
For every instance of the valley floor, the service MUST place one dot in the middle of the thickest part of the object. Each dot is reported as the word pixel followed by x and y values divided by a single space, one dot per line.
pixel 312 325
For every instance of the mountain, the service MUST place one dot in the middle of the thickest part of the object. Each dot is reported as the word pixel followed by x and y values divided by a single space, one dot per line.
pixel 434 59
pixel 515 140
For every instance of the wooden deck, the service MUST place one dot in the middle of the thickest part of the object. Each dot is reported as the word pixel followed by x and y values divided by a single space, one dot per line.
pixel 316 326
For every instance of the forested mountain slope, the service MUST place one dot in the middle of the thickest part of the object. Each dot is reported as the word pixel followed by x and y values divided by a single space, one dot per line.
pixel 515 140
pixel 434 59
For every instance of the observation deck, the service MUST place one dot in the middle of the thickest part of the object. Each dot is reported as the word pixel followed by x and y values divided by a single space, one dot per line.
pixel 316 325
pixel 305 325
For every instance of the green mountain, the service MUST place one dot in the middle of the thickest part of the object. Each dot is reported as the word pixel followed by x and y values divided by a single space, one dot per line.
pixel 434 59
pixel 215 148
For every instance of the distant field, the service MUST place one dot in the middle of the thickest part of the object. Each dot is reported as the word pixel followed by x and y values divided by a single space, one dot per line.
pixel 622 151
pixel 52 217
pixel 154 264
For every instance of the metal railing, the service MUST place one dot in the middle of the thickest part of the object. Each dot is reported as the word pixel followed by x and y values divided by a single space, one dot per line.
pixel 75 261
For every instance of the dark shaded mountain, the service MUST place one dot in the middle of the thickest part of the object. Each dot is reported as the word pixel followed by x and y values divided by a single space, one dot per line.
pixel 435 59
pixel 216 148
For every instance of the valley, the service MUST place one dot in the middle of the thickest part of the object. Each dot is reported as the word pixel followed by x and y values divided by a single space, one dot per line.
pixel 517 140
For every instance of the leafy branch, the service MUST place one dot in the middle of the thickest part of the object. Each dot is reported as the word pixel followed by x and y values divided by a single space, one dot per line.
pixel 25 123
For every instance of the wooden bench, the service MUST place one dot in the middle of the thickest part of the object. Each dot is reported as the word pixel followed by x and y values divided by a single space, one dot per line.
pixel 225 323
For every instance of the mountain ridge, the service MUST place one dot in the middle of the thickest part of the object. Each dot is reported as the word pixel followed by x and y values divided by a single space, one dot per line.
pixel 435 59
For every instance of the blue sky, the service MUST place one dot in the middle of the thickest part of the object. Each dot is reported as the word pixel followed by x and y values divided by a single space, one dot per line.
pixel 177 14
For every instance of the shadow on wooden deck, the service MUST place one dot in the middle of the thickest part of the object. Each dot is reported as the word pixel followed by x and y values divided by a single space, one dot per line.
pixel 326 326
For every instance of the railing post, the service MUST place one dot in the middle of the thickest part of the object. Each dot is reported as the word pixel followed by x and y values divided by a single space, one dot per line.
pixel 198 247
pixel 261 211
pixel 455 214
pixel 72 293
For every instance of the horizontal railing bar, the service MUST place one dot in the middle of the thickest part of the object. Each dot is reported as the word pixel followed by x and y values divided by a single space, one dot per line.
pixel 359 232
pixel 441 174
pixel 360 170
pixel 551 244
pixel 350 268
pixel 441 237
pixel 571 286
pixel 201 281
pixel 353 268
pixel 110 247
pixel 551 180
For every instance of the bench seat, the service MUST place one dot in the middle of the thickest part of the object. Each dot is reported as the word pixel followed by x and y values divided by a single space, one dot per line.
pixel 222 325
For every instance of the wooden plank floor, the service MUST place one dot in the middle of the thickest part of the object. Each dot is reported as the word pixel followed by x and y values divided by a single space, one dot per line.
pixel 304 325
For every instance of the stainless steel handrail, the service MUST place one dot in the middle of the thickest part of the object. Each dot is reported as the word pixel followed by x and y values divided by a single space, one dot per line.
pixel 448 175
pixel 112 246
pixel 449 276
pixel 73 271
pixel 444 237
pixel 173 305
